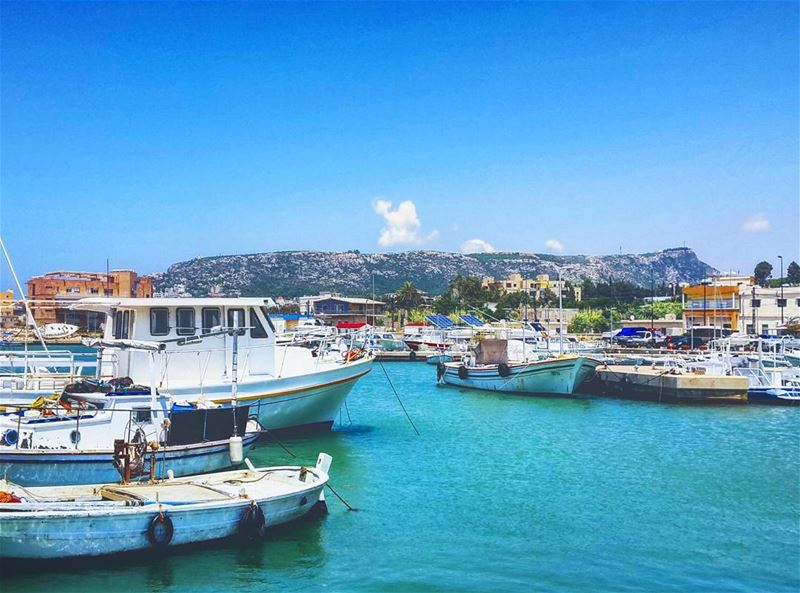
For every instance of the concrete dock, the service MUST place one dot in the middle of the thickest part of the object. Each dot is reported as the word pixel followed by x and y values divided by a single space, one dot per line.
pixel 671 385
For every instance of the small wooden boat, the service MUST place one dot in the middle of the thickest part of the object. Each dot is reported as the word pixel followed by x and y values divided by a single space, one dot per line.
pixel 70 521
pixel 489 369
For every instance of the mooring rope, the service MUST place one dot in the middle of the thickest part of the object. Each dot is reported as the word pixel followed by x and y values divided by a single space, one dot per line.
pixel 398 398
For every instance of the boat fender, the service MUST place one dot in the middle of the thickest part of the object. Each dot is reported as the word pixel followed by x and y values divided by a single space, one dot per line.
pixel 412 355
pixel 503 370
pixel 463 373
pixel 160 530
pixel 10 437
pixel 440 370
pixel 252 524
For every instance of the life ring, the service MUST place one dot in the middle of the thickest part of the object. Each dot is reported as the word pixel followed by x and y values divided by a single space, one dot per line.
pixel 463 373
pixel 252 524
pixel 354 354
pixel 412 355
pixel 439 370
pixel 160 530
pixel 503 370
pixel 10 437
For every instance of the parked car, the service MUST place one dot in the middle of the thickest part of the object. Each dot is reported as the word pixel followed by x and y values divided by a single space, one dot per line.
pixel 645 339
pixel 686 343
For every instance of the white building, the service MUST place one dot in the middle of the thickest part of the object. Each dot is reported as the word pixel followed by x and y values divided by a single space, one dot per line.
pixel 762 311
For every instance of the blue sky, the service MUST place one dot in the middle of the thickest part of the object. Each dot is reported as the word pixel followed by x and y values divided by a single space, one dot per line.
pixel 149 133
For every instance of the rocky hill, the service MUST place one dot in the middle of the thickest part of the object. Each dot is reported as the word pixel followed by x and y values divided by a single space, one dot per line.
pixel 293 273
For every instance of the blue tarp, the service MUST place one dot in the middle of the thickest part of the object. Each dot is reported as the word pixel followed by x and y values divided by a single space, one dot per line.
pixel 627 332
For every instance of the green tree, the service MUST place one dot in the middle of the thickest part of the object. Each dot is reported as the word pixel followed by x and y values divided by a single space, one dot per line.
pixel 588 322
pixel 467 291
pixel 762 272
pixel 793 273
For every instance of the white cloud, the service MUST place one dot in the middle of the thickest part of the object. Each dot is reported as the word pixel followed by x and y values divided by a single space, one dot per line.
pixel 476 246
pixel 402 224
pixel 554 245
pixel 756 223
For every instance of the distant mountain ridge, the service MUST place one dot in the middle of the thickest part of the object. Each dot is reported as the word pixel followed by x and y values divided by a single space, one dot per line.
pixel 294 273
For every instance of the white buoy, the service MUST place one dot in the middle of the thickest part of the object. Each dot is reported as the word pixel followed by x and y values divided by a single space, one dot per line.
pixel 236 450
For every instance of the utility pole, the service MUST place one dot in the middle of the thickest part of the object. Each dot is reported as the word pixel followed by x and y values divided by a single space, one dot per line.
pixel 652 300
pixel 783 303
pixel 753 307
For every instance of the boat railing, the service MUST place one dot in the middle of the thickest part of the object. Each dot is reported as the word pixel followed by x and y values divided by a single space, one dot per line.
pixel 152 423
pixel 755 375
pixel 43 371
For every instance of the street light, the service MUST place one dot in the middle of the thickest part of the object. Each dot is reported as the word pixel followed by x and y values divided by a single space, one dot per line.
pixel 705 284
pixel 783 303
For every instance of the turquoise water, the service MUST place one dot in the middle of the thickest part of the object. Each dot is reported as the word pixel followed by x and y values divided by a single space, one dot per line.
pixel 510 493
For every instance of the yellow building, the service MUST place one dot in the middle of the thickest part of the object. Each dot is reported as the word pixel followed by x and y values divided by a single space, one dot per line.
pixel 532 286
pixel 715 302
pixel 8 313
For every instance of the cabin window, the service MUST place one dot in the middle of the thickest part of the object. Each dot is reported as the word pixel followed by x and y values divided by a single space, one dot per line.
pixel 256 328
pixel 159 322
pixel 141 415
pixel 123 320
pixel 265 311
pixel 241 321
pixel 184 321
pixel 211 319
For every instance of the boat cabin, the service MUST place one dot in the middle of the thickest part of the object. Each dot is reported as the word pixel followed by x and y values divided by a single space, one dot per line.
pixel 193 334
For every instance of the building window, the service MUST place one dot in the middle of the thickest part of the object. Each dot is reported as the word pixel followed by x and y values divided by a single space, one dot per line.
pixel 108 292
pixel 765 329
pixel 159 321
pixel 749 329
pixel 256 328
pixel 240 320
pixel 184 321
pixel 93 291
pixel 781 302
pixel 211 319
pixel 756 303
pixel 73 290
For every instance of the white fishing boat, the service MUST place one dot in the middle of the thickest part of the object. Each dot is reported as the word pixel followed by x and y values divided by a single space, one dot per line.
pixel 490 369
pixel 53 331
pixel 59 522
pixel 286 386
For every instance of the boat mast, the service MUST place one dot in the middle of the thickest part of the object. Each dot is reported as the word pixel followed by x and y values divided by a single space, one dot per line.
pixel 560 315
pixel 24 299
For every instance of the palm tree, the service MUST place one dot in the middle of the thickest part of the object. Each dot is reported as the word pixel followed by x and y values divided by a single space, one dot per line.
pixel 408 297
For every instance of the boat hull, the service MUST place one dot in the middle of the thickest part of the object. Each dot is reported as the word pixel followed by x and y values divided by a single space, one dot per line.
pixel 561 376
pixel 289 403
pixel 43 467
pixel 772 396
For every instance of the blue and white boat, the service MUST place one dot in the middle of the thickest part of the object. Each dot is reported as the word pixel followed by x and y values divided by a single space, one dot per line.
pixel 59 522
pixel 70 440
pixel 770 386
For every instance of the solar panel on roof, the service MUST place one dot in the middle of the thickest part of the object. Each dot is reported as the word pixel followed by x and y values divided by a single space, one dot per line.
pixel 440 321
pixel 471 320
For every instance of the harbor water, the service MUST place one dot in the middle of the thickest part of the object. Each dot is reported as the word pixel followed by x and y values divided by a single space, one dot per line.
pixel 508 493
